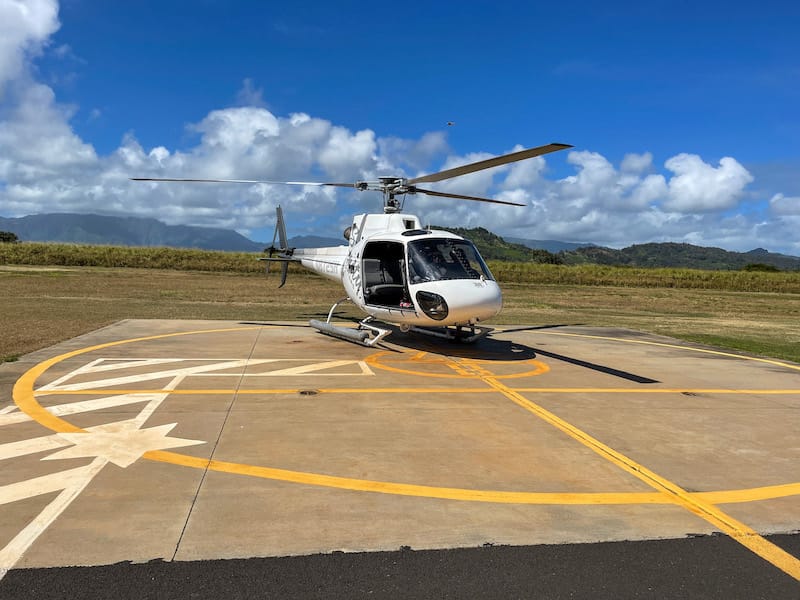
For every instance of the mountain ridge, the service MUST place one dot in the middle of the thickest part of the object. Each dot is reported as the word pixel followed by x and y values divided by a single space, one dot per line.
pixel 680 255
pixel 141 231
pixel 124 231
pixel 554 246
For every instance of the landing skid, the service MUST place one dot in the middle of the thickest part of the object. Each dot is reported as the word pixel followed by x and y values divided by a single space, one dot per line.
pixel 464 335
pixel 370 335
pixel 365 334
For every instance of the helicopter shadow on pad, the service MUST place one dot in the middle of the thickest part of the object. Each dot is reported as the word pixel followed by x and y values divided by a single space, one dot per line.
pixel 582 363
pixel 491 348
pixel 487 348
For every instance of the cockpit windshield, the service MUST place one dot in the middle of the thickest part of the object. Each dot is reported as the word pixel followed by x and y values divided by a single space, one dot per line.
pixel 444 258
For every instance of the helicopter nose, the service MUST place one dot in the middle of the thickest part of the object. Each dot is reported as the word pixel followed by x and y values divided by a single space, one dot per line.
pixel 473 301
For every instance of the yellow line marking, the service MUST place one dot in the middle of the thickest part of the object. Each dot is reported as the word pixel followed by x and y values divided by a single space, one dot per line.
pixel 658 391
pixel 268 391
pixel 666 491
pixel 736 529
pixel 423 390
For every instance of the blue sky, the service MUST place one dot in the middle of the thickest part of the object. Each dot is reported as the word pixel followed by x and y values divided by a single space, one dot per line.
pixel 683 115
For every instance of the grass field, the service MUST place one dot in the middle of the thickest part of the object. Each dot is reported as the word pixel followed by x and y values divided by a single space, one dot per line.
pixel 40 306
pixel 76 255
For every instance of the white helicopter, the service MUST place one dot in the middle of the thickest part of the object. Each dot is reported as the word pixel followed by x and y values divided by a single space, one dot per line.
pixel 396 271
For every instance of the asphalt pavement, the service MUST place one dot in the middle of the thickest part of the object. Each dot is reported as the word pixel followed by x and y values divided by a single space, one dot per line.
pixel 706 567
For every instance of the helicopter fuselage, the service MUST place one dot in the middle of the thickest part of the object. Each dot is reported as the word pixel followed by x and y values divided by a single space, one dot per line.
pixel 392 268
pixel 398 272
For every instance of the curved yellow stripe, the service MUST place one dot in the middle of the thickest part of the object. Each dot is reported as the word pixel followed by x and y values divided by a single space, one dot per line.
pixel 472 495
pixel 407 489
pixel 375 361
pixel 25 399
pixel 751 494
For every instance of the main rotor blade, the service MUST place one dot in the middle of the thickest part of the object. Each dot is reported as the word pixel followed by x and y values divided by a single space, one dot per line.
pixel 350 185
pixel 489 163
pixel 462 197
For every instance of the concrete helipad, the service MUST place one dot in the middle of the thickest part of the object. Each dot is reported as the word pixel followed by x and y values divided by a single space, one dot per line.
pixel 188 440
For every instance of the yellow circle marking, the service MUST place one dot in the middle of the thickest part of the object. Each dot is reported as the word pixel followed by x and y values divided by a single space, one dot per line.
pixel 25 398
pixel 379 361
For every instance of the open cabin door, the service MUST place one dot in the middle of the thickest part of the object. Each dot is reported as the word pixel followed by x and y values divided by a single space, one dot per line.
pixel 384 275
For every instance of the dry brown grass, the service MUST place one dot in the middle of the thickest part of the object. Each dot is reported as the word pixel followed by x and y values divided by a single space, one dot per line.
pixel 41 307
pixel 756 322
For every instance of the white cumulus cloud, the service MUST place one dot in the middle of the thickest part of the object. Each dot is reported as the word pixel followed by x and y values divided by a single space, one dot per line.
pixel 784 205
pixel 25 26
pixel 46 167
pixel 636 163
pixel 700 187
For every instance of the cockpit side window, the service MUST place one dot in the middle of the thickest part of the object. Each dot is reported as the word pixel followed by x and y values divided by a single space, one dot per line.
pixel 441 259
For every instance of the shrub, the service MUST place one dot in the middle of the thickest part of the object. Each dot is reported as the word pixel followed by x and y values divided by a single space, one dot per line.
pixel 761 267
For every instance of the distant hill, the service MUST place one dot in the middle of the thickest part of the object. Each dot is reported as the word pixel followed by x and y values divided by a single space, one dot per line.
pixel 553 246
pixel 494 247
pixel 315 241
pixel 136 231
pixel 124 231
pixel 667 254
pixel 688 256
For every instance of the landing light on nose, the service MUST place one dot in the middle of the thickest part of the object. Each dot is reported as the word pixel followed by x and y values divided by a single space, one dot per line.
pixel 433 305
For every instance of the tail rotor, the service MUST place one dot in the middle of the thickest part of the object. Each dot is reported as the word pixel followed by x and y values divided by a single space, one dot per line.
pixel 283 251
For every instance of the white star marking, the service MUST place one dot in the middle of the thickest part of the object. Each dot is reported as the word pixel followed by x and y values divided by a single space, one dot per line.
pixel 121 443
